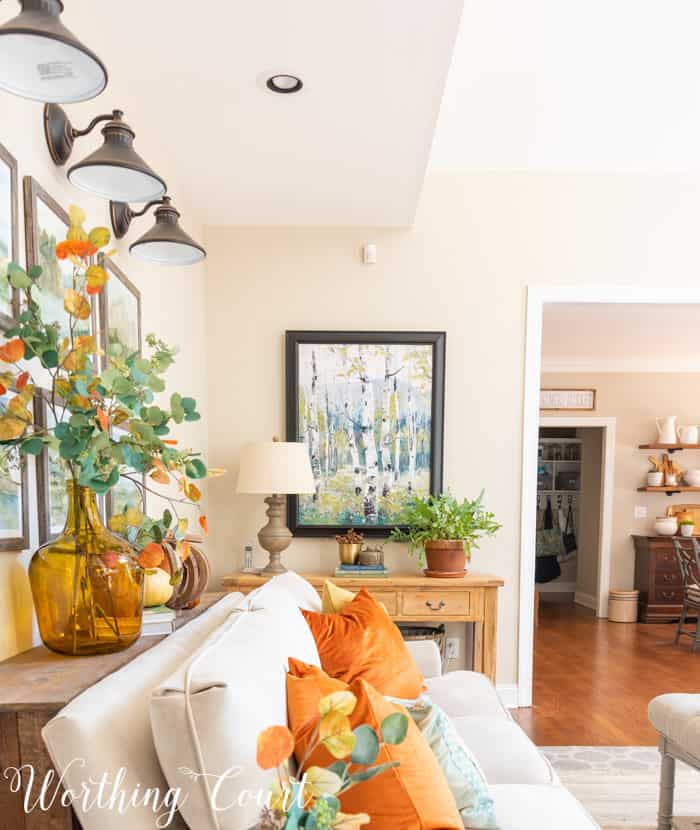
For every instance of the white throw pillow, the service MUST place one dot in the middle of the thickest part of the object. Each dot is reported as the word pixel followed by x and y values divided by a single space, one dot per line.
pixel 106 729
pixel 303 592
pixel 207 716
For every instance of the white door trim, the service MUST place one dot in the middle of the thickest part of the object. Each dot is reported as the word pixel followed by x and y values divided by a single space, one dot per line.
pixel 608 425
pixel 537 296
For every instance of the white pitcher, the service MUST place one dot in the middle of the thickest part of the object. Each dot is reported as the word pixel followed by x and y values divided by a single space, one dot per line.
pixel 688 435
pixel 667 429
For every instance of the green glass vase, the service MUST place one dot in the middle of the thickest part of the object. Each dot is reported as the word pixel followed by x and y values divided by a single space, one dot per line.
pixel 87 584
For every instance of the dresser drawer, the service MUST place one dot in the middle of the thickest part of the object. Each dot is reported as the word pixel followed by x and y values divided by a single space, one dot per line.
pixel 665 559
pixel 672 595
pixel 437 603
pixel 668 578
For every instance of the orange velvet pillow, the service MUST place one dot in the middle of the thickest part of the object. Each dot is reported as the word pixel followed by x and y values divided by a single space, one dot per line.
pixel 412 796
pixel 362 641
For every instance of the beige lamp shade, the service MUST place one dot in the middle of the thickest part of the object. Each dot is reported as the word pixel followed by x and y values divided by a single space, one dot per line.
pixel 277 467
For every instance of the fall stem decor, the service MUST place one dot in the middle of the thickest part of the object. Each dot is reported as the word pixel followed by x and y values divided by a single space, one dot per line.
pixel 311 797
pixel 88 584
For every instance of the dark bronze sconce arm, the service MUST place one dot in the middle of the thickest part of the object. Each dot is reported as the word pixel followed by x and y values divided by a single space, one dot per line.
pixel 122 215
pixel 61 134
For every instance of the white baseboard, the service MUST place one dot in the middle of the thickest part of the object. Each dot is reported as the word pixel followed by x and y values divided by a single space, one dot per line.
pixel 557 587
pixel 587 600
pixel 508 692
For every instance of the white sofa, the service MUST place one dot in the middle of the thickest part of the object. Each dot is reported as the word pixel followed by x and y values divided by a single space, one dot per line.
pixel 108 727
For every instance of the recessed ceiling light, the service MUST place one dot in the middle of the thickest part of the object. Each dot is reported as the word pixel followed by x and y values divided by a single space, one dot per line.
pixel 284 84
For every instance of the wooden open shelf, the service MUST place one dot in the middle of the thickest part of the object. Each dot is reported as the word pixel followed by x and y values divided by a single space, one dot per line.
pixel 680 488
pixel 669 447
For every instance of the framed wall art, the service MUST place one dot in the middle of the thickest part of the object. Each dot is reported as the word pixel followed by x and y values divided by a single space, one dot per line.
pixel 9 234
pixel 125 493
pixel 370 408
pixel 14 512
pixel 50 476
pixel 120 310
pixel 46 223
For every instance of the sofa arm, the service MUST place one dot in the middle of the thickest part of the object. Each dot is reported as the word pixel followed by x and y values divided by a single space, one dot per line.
pixel 427 657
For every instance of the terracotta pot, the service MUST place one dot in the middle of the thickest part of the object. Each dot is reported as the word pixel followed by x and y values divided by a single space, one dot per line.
pixel 445 556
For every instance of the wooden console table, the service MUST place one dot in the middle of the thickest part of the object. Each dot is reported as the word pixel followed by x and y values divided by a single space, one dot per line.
pixel 417 598
pixel 34 686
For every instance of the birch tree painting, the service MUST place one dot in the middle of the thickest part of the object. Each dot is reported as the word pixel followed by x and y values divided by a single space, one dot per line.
pixel 364 412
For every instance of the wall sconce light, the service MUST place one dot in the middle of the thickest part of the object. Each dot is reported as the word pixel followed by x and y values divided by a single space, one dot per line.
pixel 165 243
pixel 42 60
pixel 115 170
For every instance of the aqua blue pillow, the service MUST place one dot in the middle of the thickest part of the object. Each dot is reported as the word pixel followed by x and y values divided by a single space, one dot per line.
pixel 458 765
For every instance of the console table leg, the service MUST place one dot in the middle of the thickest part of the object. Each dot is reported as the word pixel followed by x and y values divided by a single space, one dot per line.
pixel 490 627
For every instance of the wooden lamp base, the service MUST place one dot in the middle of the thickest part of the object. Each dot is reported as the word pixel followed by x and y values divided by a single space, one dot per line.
pixel 275 536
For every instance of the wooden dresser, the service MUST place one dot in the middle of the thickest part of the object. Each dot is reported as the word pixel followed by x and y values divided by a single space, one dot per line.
pixel 657 577
pixel 412 597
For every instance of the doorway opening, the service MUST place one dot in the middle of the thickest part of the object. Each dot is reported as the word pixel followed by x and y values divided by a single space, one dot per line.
pixel 632 352
pixel 601 656
pixel 575 483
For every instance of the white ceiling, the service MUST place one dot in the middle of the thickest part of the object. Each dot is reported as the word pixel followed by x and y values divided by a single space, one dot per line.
pixel 350 149
pixel 545 85
pixel 604 85
pixel 601 337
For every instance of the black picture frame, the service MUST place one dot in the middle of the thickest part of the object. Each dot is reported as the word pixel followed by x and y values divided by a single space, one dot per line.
pixel 436 339
pixel 8 320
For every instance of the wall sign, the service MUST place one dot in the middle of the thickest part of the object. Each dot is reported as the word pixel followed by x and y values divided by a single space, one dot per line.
pixel 576 399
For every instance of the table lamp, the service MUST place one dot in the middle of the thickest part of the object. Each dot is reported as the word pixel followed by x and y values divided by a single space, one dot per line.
pixel 278 468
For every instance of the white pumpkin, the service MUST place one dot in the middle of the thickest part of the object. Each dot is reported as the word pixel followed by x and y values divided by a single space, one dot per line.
pixel 157 587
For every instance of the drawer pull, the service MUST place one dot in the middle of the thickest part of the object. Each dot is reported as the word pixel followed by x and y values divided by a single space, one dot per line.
pixel 437 607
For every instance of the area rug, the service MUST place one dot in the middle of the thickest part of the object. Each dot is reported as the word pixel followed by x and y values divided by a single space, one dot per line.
pixel 619 785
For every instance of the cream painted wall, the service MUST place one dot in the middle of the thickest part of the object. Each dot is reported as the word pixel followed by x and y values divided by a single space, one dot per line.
pixel 173 307
pixel 635 399
pixel 588 530
pixel 478 241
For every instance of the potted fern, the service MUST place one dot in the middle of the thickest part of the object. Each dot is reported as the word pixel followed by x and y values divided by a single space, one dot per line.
pixel 443 531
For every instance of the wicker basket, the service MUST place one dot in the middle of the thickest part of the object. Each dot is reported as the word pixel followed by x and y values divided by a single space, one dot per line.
pixel 427 632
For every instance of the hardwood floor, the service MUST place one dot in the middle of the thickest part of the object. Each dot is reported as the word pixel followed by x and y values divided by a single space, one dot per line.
pixel 594 679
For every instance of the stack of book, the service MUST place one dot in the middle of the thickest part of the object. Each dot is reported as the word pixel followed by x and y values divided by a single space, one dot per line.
pixel 355 571
pixel 157 621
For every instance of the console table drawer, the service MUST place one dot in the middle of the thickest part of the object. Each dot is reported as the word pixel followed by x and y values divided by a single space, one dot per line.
pixel 439 603
pixel 388 598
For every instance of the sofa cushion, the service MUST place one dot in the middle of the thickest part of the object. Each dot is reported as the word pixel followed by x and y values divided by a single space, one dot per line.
pixel 521 763
pixel 412 796
pixel 107 727
pixel 678 717
pixel 539 807
pixel 206 717
pixel 462 693
pixel 364 642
